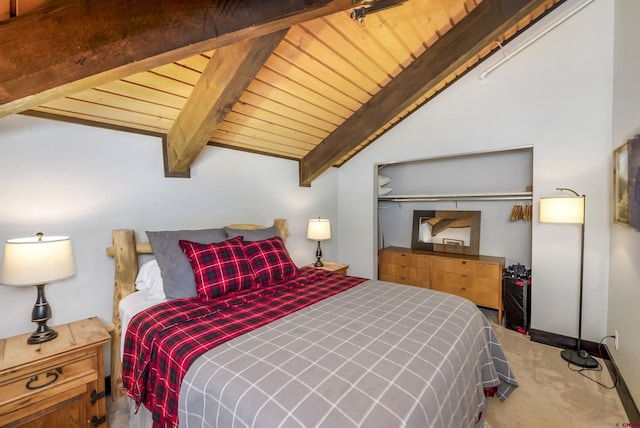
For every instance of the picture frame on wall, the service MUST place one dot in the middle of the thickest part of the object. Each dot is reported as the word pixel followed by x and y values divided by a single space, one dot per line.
pixel 633 181
pixel 621 185
pixel 626 184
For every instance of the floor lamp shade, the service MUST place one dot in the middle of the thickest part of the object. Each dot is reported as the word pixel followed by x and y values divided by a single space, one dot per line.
pixel 570 209
pixel 562 210
pixel 37 261
pixel 319 229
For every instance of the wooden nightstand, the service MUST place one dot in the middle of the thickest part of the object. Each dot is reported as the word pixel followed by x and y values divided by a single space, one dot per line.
pixel 59 383
pixel 339 268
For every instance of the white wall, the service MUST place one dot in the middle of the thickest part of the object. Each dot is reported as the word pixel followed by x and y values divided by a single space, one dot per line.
pixel 624 281
pixel 66 179
pixel 554 96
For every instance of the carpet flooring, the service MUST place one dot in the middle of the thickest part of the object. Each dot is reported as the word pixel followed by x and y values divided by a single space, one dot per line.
pixel 551 394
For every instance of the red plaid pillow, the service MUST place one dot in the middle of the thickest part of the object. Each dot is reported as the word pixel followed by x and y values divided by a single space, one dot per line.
pixel 218 268
pixel 270 261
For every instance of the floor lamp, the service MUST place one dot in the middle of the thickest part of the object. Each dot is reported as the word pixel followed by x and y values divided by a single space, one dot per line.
pixel 570 210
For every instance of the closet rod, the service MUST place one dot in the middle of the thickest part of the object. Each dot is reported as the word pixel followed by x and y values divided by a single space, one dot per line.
pixel 515 196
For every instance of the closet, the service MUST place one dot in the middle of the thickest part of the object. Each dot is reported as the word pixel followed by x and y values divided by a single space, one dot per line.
pixel 497 184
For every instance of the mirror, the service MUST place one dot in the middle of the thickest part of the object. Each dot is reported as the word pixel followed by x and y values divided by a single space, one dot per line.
pixel 446 231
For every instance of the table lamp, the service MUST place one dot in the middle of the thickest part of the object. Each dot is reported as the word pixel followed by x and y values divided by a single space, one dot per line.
pixel 319 229
pixel 37 261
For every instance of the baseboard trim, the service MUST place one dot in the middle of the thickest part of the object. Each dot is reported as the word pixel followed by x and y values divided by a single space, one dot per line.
pixel 566 342
pixel 593 348
pixel 625 395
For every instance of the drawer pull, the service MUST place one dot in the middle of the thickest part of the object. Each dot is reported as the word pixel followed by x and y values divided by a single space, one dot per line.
pixel 95 396
pixel 54 375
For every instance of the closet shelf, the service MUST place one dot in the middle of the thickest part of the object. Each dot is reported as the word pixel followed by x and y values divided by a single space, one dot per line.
pixel 504 196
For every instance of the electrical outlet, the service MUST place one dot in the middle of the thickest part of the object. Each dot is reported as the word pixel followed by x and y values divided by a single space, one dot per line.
pixel 616 338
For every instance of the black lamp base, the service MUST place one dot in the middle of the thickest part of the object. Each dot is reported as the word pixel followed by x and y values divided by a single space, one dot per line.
pixel 40 314
pixel 579 358
pixel 42 334
pixel 318 262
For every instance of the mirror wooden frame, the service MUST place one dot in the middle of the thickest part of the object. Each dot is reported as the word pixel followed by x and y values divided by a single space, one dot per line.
pixel 450 216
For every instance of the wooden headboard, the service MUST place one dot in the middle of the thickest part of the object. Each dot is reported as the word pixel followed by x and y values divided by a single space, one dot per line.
pixel 125 252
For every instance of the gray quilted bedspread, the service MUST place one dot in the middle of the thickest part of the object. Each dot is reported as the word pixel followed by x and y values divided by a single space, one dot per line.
pixel 378 355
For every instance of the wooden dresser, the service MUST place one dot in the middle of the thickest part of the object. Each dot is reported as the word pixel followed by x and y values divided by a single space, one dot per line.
pixel 477 278
pixel 59 383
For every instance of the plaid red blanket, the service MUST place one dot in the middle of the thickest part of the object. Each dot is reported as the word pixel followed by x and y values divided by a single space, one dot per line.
pixel 162 342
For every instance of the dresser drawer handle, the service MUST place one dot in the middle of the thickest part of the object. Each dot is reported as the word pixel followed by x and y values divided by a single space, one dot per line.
pixel 54 375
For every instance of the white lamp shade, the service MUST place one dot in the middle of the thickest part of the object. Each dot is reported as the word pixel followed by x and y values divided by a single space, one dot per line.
pixel 30 261
pixel 562 210
pixel 319 229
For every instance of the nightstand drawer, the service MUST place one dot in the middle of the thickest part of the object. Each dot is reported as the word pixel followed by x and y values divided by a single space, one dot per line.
pixel 30 387
pixel 57 383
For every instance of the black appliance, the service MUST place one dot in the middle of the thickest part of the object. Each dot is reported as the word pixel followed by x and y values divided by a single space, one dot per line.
pixel 516 298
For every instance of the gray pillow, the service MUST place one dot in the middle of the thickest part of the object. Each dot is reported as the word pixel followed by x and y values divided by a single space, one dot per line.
pixel 175 269
pixel 253 235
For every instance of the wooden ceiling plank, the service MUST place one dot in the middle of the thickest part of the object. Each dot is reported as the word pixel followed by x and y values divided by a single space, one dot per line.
pixel 287 111
pixel 268 76
pixel 361 40
pixel 113 39
pixel 160 83
pixel 488 20
pixel 322 49
pixel 385 39
pixel 259 144
pixel 227 75
pixel 311 105
pixel 269 117
pixel 143 93
pixel 265 135
pixel 78 108
pixel 95 97
pixel 179 73
pixel 292 53
pixel 252 122
pixel 196 62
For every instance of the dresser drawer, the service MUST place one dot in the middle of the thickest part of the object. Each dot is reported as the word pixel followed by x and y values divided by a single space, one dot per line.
pixel 404 259
pixel 481 291
pixel 466 267
pixel 56 382
pixel 418 282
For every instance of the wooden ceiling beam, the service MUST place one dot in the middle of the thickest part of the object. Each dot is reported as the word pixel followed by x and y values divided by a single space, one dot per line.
pixel 225 78
pixel 67 46
pixel 484 24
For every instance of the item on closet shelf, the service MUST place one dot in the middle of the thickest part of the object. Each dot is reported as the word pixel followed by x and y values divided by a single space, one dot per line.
pixel 383 180
pixel 384 190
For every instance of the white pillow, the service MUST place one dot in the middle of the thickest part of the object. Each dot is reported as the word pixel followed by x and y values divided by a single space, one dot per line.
pixel 149 281
pixel 383 179
pixel 384 190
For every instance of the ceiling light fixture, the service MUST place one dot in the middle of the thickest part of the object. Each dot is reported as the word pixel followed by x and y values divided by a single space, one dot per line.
pixel 372 6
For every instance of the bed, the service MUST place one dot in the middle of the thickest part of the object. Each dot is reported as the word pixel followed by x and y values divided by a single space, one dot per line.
pixel 300 347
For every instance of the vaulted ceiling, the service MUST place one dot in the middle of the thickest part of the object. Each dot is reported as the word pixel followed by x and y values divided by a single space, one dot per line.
pixel 299 79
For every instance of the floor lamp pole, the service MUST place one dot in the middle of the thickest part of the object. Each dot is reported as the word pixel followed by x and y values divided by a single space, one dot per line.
pixel 580 357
